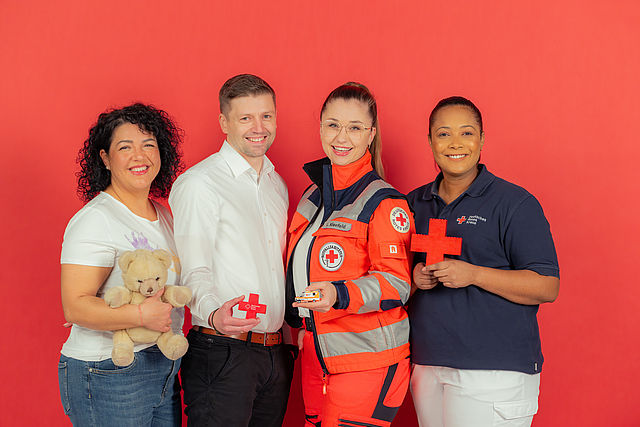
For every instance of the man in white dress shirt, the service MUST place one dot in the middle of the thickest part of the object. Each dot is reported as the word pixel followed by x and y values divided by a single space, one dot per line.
pixel 230 216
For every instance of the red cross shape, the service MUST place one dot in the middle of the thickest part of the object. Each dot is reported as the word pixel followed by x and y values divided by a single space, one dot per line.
pixel 331 256
pixel 461 219
pixel 436 244
pixel 252 307
pixel 401 219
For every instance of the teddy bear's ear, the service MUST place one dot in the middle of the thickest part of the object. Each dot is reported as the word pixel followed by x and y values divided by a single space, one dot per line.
pixel 165 257
pixel 125 260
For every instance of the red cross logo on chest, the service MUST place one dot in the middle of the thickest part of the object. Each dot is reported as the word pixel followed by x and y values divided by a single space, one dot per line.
pixel 461 219
pixel 252 307
pixel 436 244
pixel 331 256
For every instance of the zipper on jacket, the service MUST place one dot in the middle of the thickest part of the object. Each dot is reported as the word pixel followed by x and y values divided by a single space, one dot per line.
pixel 316 343
pixel 312 322
pixel 290 263
pixel 325 215
pixel 324 383
pixel 289 267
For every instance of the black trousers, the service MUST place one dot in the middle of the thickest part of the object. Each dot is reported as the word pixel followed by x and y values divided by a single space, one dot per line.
pixel 232 383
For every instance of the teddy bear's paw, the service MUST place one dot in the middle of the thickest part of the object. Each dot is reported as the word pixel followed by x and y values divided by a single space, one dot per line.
pixel 117 297
pixel 122 355
pixel 183 296
pixel 175 347
pixel 177 296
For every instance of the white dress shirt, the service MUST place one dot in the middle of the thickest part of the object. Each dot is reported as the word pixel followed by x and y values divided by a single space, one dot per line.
pixel 230 232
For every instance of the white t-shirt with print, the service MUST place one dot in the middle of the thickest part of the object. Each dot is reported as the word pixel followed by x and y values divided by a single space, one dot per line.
pixel 96 236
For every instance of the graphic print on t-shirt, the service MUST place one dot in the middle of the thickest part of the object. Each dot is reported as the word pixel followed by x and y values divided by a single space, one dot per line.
pixel 139 241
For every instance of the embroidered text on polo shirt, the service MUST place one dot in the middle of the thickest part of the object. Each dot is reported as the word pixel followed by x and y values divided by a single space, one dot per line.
pixel 472 220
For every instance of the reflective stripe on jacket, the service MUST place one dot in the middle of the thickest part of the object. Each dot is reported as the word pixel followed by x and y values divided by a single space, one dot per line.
pixel 362 247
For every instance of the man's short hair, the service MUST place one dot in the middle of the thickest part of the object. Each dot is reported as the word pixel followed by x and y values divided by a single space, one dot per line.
pixel 243 85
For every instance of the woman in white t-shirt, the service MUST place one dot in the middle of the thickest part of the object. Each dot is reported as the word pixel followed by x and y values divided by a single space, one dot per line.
pixel 130 154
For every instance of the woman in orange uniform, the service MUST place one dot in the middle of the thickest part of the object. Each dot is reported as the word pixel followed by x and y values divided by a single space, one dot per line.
pixel 350 241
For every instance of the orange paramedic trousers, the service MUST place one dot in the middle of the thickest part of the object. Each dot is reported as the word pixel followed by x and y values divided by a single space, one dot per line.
pixel 363 398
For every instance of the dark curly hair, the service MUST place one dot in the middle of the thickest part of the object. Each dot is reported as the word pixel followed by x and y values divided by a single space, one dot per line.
pixel 94 177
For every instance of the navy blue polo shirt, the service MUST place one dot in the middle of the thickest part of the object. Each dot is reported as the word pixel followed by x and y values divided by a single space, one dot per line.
pixel 502 226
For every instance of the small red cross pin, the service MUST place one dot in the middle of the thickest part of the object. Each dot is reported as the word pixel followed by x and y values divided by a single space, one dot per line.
pixel 252 307
pixel 436 244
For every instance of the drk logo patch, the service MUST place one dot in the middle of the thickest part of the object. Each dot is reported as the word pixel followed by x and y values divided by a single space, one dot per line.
pixel 399 220
pixel 331 256
pixel 471 219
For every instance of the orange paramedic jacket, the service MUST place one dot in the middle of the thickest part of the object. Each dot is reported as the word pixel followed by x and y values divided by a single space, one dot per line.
pixel 362 247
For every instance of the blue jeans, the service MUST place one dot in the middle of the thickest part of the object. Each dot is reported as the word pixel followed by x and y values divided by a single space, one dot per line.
pixel 145 393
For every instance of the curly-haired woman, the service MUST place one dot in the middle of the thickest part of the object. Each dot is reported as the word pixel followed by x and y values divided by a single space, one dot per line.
pixel 130 154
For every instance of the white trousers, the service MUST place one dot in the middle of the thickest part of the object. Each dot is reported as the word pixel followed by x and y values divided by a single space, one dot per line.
pixel 446 397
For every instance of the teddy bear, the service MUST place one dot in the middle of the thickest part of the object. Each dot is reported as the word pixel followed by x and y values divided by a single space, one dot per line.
pixel 144 273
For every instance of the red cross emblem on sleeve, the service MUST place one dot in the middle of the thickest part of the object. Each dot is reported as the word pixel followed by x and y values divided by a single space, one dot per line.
pixel 399 220
pixel 436 244
pixel 252 307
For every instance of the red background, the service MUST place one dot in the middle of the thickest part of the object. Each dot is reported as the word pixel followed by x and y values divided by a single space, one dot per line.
pixel 556 81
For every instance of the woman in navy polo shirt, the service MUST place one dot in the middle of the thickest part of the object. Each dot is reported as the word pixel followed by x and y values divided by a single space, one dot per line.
pixel 474 332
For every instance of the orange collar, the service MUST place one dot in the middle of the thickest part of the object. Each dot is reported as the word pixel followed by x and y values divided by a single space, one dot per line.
pixel 344 176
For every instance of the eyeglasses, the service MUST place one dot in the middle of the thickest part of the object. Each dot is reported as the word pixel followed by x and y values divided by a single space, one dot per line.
pixel 332 129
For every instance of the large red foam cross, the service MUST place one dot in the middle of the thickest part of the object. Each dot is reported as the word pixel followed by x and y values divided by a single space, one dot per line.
pixel 436 244
pixel 252 307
